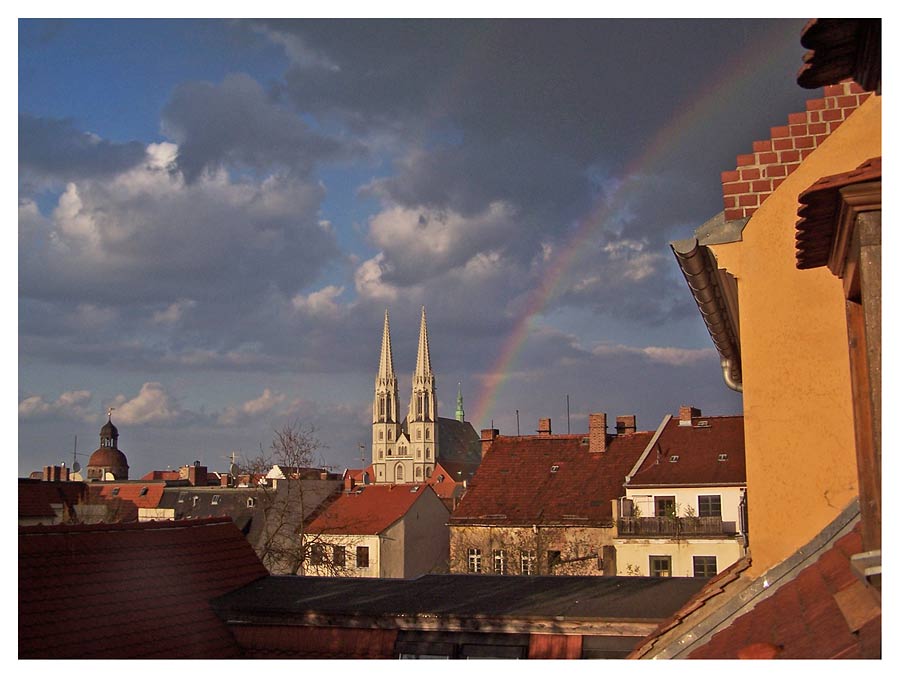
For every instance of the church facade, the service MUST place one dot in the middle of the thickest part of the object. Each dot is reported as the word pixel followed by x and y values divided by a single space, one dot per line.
pixel 406 450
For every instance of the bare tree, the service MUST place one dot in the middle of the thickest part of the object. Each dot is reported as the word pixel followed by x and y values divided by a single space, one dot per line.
pixel 285 546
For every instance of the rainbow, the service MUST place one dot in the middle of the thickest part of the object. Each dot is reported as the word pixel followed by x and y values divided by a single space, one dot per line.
pixel 732 80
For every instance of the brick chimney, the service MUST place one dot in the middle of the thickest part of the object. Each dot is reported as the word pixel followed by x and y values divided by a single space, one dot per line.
pixel 349 483
pixel 597 432
pixel 544 429
pixel 686 413
pixel 626 424
pixel 488 435
pixel 196 474
pixel 56 473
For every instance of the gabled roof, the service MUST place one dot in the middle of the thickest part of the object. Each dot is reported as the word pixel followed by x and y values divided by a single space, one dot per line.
pixel 37 497
pixel 129 590
pixel 126 498
pixel 370 509
pixel 516 483
pixel 698 449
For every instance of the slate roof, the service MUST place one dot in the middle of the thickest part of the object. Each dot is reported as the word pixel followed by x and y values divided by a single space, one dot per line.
pixel 516 597
pixel 129 590
pixel 36 497
pixel 515 484
pixel 698 449
pixel 369 509
pixel 811 606
pixel 458 441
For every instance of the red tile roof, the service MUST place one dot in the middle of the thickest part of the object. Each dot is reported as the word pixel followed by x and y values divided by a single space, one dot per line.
pixel 516 483
pixel 698 449
pixel 130 590
pixel 125 499
pixel 370 509
pixel 162 475
pixel 36 497
pixel 804 618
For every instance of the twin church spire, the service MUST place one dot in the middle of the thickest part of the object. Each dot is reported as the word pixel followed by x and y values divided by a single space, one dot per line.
pixel 404 451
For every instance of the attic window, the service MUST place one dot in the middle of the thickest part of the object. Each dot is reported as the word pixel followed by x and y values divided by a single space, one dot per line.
pixel 181 497
pixel 251 502
pixel 143 491
pixel 115 492
pixel 554 468
pixel 703 423
pixel 723 456
pixel 674 459
pixel 441 478
pixel 216 499
pixel 585 441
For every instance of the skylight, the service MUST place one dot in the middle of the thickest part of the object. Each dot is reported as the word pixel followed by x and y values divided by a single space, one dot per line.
pixel 723 456
pixel 674 459
pixel 554 468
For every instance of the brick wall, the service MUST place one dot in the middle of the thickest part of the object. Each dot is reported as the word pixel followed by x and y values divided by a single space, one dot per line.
pixel 759 173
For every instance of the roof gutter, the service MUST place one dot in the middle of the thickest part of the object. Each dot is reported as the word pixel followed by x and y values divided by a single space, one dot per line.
pixel 711 289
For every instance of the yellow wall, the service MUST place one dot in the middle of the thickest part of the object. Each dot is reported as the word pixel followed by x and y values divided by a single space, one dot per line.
pixel 798 416
pixel 633 555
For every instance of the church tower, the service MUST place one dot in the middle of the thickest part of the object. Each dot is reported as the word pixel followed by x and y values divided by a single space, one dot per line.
pixel 422 417
pixel 385 408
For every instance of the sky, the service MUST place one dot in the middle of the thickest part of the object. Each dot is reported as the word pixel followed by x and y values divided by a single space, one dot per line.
pixel 213 217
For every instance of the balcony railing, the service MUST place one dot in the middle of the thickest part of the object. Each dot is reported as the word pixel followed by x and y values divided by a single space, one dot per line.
pixel 672 527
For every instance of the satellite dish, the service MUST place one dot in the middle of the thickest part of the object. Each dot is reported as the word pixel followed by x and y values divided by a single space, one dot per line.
pixel 76 467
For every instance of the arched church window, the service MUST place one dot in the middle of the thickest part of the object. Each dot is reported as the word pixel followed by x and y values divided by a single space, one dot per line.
pixel 389 452
pixel 419 434
pixel 427 434
pixel 418 472
pixel 381 454
pixel 381 435
pixel 398 472
pixel 418 453
pixel 427 409
pixel 427 471
pixel 390 434
pixel 428 453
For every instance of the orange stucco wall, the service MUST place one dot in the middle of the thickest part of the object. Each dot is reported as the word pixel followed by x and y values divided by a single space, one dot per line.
pixel 798 415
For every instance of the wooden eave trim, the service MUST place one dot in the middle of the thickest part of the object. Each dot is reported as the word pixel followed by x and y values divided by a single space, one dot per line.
pixel 855 199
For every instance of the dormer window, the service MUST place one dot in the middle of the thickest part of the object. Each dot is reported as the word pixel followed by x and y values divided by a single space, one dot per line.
pixel 216 499
pixel 143 492
pixel 115 492
pixel 251 502
pixel 554 468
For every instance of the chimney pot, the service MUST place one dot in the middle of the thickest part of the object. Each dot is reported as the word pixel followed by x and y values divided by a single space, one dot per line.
pixel 597 432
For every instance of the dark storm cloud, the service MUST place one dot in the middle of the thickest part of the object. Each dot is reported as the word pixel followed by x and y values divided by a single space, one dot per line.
pixel 534 115
pixel 52 149
pixel 236 124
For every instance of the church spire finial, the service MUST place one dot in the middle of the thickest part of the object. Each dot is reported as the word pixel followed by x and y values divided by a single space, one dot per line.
pixel 423 360
pixel 460 412
pixel 386 364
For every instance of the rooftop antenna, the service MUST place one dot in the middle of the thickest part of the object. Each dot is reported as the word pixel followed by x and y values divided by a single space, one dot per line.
pixel 517 423
pixel 76 467
pixel 568 423
pixel 362 455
